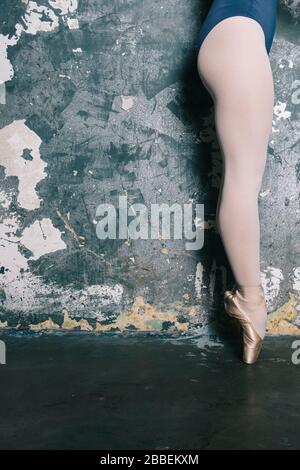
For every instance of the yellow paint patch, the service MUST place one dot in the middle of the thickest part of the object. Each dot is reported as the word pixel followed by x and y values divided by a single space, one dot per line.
pixel 45 325
pixel 68 227
pixel 143 316
pixel 192 311
pixel 181 326
pixel 146 317
pixel 102 328
pixel 85 326
pixel 186 297
pixel 70 324
pixel 279 322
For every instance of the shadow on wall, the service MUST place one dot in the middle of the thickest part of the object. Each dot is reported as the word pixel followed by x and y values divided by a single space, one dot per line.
pixel 196 106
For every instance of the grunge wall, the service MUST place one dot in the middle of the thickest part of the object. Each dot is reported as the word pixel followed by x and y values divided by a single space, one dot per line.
pixel 100 98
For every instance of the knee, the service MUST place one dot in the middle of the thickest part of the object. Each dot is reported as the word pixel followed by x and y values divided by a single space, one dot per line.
pixel 243 184
pixel 246 170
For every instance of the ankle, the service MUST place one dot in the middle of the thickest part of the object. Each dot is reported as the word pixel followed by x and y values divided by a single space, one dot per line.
pixel 251 294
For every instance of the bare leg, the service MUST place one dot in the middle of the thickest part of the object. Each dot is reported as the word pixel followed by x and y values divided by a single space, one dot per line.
pixel 234 66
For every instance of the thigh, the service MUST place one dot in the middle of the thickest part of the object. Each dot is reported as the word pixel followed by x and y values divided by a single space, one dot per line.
pixel 235 68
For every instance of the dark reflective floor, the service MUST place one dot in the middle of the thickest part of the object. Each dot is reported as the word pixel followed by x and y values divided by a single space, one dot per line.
pixel 82 391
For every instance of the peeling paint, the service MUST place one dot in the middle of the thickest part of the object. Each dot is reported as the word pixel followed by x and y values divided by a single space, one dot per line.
pixel 68 227
pixel 199 280
pixel 265 193
pixel 73 23
pixel 283 62
pixel 45 325
pixel 296 280
pixel 37 18
pixel 6 69
pixel 138 127
pixel 271 279
pixel 144 317
pixel 127 102
pixel 70 324
pixel 192 312
pixel 25 291
pixel 186 297
pixel 14 140
pixel 42 238
pixel 5 200
pixel 281 112
pixel 9 252
pixel 65 6
pixel 279 322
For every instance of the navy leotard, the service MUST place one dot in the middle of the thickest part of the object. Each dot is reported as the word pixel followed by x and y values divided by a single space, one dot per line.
pixel 263 11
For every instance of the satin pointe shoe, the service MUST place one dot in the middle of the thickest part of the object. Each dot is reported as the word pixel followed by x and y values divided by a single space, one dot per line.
pixel 252 342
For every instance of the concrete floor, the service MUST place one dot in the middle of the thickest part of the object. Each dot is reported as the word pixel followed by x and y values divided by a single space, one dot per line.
pixel 81 391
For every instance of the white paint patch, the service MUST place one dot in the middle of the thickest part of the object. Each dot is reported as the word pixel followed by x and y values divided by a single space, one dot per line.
pixel 296 94
pixel 296 280
pixel 27 292
pixel 281 112
pixel 2 93
pixel 265 193
pixel 127 102
pixel 6 69
pixel 14 140
pixel 65 6
pixel 271 279
pixel 12 260
pixel 42 238
pixel 283 62
pixel 73 23
pixel 37 18
pixel 11 256
pixel 199 280
pixel 5 200
pixel 108 294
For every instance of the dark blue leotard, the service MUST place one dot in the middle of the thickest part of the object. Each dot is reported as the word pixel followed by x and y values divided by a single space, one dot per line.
pixel 263 11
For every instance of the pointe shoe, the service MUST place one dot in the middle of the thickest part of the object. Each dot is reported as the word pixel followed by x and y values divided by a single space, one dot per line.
pixel 252 342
